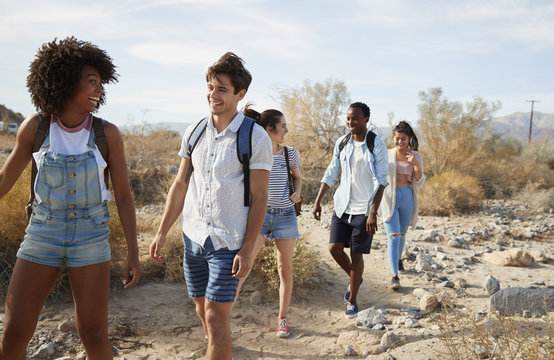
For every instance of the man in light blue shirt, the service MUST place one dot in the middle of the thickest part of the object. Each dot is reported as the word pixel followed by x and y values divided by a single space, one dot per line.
pixel 363 177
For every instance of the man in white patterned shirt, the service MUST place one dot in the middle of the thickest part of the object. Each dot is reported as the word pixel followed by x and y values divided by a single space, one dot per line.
pixel 219 232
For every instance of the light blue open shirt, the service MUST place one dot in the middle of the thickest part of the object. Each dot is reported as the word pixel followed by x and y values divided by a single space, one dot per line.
pixel 376 164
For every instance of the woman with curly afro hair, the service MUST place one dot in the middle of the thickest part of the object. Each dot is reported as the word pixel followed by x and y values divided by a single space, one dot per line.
pixel 69 220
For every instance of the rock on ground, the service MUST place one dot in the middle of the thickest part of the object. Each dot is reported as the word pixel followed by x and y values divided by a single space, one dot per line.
pixel 516 300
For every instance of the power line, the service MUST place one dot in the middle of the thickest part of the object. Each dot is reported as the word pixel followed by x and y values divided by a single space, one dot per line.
pixel 531 117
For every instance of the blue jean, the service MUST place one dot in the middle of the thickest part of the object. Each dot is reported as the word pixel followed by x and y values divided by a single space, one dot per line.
pixel 280 224
pixel 71 221
pixel 398 224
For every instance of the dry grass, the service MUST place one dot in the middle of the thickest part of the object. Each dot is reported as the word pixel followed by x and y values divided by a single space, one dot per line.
pixel 448 193
pixel 495 337
pixel 150 154
pixel 304 264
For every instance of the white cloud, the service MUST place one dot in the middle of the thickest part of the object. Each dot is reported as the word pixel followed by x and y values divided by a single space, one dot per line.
pixel 174 55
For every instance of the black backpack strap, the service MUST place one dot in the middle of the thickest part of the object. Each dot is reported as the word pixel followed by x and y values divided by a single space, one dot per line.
pixel 101 142
pixel 197 132
pixel 40 135
pixel 289 174
pixel 244 152
pixel 344 141
pixel 370 140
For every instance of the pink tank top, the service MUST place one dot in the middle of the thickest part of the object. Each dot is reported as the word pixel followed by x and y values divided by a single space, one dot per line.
pixel 404 170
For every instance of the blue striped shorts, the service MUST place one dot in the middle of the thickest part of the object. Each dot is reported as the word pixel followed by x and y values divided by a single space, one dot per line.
pixel 208 272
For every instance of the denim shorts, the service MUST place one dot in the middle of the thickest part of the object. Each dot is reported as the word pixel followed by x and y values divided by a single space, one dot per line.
pixel 208 271
pixel 280 224
pixel 351 231
pixel 77 236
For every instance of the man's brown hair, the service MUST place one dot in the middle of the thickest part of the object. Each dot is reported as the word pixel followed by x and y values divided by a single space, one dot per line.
pixel 233 66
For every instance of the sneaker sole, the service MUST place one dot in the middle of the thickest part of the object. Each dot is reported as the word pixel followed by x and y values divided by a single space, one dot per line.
pixel 283 334
pixel 395 286
pixel 351 316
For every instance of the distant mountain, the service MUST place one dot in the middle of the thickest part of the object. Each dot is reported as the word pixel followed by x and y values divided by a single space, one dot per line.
pixel 9 116
pixel 516 125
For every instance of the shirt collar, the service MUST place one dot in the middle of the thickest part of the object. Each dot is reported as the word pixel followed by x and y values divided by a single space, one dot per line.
pixel 233 126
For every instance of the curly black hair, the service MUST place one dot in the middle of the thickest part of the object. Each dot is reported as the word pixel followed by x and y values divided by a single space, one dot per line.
pixel 56 71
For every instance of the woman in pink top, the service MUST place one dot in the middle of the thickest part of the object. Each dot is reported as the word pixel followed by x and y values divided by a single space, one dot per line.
pixel 399 207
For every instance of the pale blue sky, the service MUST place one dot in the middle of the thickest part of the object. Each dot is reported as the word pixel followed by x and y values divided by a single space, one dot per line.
pixel 385 51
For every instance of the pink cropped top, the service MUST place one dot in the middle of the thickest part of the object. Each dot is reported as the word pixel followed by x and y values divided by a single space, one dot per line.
pixel 404 169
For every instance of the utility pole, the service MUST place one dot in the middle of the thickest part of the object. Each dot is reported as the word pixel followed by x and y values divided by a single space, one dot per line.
pixel 531 118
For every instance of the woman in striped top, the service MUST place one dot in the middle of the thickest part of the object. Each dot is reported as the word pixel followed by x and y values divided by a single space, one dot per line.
pixel 280 222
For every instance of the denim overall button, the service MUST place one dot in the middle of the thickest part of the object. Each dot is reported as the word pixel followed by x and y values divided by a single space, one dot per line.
pixel 71 191
pixel 71 206
pixel 71 214
pixel 71 175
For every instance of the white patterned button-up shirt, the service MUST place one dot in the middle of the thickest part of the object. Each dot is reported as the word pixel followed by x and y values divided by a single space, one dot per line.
pixel 214 203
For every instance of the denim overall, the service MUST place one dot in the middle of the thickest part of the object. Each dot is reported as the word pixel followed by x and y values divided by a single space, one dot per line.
pixel 71 221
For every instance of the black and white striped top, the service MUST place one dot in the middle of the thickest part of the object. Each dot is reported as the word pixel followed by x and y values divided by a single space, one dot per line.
pixel 278 190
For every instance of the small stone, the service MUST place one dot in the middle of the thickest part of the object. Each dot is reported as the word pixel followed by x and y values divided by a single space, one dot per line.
pixel 389 339
pixel 256 298
pixel 67 326
pixel 350 352
pixel 428 303
pixel 448 284
pixel 491 285
pixel 461 283
pixel 44 352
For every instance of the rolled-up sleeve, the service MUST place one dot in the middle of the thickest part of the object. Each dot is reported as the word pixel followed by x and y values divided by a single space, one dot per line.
pixel 331 175
pixel 381 161
pixel 262 151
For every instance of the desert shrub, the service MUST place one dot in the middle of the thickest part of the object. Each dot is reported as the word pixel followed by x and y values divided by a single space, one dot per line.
pixel 536 198
pixel 152 160
pixel 449 193
pixel 14 222
pixel 496 337
pixel 171 270
pixel 303 266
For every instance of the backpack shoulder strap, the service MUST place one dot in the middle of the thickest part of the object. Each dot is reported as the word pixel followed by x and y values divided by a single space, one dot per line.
pixel 289 174
pixel 244 152
pixel 197 132
pixel 344 141
pixel 101 142
pixel 370 140
pixel 40 134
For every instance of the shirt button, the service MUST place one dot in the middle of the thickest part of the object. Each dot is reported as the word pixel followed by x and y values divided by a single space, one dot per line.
pixel 212 154
pixel 207 206
pixel 209 223
pixel 208 171
pixel 71 175
pixel 207 188
pixel 71 159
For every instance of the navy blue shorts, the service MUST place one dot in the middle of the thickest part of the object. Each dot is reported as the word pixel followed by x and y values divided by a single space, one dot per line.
pixel 351 231
pixel 208 271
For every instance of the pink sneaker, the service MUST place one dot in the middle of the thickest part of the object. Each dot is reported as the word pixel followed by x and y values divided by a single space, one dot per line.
pixel 283 329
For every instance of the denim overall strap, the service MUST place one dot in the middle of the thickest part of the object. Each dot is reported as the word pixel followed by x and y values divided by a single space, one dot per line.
pixel 67 183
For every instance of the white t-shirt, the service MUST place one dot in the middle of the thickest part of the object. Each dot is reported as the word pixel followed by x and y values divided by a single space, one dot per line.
pixel 73 141
pixel 360 191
